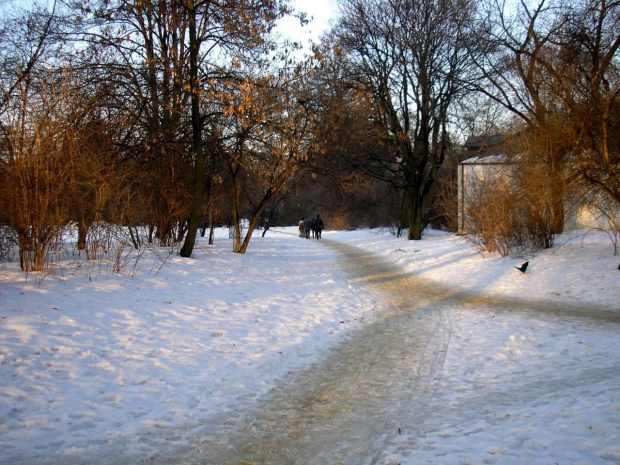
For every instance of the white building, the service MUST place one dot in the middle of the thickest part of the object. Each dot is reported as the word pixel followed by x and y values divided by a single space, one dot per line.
pixel 488 160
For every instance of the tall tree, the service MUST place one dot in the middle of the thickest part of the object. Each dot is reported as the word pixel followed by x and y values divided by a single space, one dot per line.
pixel 587 83
pixel 25 38
pixel 411 55
pixel 337 184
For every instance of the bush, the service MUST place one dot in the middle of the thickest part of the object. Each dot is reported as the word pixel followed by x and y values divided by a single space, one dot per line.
pixel 511 211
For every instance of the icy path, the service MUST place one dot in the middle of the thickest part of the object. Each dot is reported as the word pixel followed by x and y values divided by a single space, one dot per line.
pixel 394 392
pixel 343 408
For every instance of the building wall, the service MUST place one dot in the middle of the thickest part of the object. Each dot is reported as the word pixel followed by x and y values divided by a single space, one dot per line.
pixel 577 213
pixel 471 174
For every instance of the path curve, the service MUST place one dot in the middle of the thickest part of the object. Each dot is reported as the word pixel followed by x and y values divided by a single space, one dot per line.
pixel 344 408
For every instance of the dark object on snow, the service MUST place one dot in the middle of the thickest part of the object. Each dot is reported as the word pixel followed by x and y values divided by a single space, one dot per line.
pixel 523 267
pixel 619 267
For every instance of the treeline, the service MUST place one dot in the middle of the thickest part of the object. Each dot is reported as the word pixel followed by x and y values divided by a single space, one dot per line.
pixel 416 78
pixel 158 117
pixel 159 120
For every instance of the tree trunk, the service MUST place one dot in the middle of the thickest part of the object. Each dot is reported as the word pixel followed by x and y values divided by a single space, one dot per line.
pixel 557 199
pixel 212 235
pixel 415 219
pixel 234 193
pixel 82 231
pixel 246 241
pixel 135 238
pixel 31 253
pixel 196 214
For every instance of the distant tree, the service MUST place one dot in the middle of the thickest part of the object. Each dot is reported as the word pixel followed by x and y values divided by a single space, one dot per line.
pixel 269 136
pixel 411 56
pixel 94 179
pixel 338 184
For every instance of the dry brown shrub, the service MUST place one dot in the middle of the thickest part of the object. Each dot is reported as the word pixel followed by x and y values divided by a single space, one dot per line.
pixel 511 211
pixel 36 175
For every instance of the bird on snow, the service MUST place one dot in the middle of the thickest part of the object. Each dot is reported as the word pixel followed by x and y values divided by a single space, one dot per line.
pixel 523 267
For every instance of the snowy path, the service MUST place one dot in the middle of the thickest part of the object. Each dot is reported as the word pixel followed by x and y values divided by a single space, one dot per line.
pixel 344 407
pixel 398 360
pixel 386 395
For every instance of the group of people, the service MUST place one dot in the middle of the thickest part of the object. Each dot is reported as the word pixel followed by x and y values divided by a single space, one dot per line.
pixel 310 225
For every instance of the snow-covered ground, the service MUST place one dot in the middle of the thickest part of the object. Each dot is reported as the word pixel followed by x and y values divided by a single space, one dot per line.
pixel 89 359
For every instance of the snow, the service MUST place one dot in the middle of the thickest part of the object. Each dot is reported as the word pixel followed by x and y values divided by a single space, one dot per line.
pixel 496 159
pixel 89 358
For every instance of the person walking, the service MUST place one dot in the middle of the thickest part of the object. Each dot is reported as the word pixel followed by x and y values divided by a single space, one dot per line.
pixel 318 226
pixel 266 227
pixel 302 231
pixel 308 227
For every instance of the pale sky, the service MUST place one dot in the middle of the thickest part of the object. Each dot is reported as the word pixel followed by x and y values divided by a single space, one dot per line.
pixel 320 12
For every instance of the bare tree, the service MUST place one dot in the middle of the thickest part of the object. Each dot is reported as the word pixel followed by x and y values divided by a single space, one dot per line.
pixel 25 37
pixel 587 83
pixel 34 166
pixel 337 183
pixel 38 159
pixel 411 55
pixel 137 54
